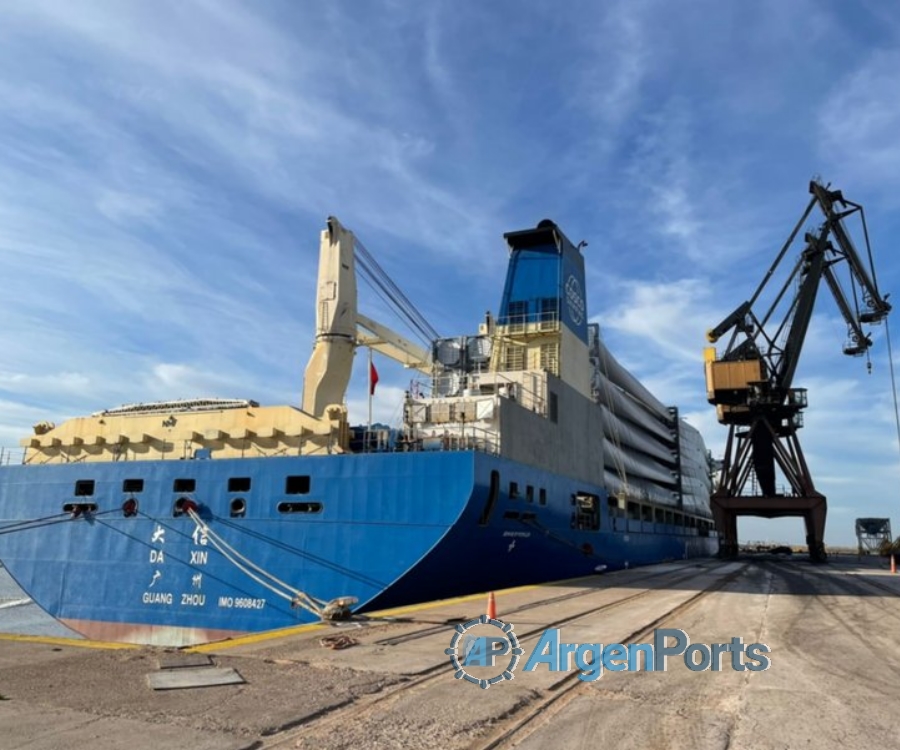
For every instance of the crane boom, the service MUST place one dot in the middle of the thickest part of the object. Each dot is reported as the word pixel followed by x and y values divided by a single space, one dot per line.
pixel 392 344
pixel 878 307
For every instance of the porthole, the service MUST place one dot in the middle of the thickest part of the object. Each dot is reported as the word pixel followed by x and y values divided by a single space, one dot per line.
pixel 299 507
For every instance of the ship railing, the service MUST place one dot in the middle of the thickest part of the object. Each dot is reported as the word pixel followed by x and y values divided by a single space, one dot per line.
pixel 547 320
pixel 464 438
pixel 11 456
pixel 475 384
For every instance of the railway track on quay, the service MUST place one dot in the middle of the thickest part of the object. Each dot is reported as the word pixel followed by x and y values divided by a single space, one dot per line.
pixel 515 722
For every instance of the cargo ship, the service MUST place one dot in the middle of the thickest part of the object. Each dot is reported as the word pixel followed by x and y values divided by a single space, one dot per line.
pixel 526 454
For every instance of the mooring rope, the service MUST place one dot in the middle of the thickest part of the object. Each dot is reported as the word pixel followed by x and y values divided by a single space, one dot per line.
pixel 295 596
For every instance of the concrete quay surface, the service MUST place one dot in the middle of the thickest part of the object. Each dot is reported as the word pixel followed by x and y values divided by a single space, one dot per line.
pixel 834 679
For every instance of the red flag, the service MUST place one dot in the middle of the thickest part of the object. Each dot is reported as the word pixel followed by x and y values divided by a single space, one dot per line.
pixel 373 378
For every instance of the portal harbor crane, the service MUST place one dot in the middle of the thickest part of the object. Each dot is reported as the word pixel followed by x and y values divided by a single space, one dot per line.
pixel 751 383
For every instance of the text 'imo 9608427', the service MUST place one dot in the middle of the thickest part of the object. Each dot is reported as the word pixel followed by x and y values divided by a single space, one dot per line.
pixel 528 455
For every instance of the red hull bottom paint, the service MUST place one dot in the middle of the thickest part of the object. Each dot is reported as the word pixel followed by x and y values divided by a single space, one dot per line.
pixel 149 635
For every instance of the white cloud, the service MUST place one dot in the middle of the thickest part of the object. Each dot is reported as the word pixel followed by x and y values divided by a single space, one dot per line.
pixel 859 122
pixel 673 315
pixel 620 54
pixel 122 207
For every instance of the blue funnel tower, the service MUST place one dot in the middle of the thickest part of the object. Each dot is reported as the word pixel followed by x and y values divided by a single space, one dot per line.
pixel 543 315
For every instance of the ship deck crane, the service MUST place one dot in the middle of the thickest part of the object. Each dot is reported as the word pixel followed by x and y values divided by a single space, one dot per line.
pixel 341 328
pixel 751 384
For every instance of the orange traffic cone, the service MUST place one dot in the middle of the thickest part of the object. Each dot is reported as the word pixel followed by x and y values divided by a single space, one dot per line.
pixel 893 567
pixel 492 607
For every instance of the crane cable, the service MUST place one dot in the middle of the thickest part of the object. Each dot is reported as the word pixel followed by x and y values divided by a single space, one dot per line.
pixel 887 332
pixel 373 274
pixel 887 328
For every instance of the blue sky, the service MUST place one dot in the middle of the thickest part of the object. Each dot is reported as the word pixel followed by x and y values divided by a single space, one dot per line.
pixel 166 167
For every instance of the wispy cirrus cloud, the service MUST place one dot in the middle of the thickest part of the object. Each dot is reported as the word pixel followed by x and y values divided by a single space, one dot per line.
pixel 858 125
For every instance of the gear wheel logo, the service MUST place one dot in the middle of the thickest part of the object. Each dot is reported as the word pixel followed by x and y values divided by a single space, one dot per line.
pixel 468 651
pixel 574 300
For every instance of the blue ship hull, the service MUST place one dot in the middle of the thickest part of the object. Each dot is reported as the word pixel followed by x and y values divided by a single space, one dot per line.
pixel 499 476
pixel 387 529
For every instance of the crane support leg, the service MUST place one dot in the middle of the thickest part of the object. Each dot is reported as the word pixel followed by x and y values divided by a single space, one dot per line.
pixel 726 523
pixel 812 508
pixel 815 531
pixel 755 450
